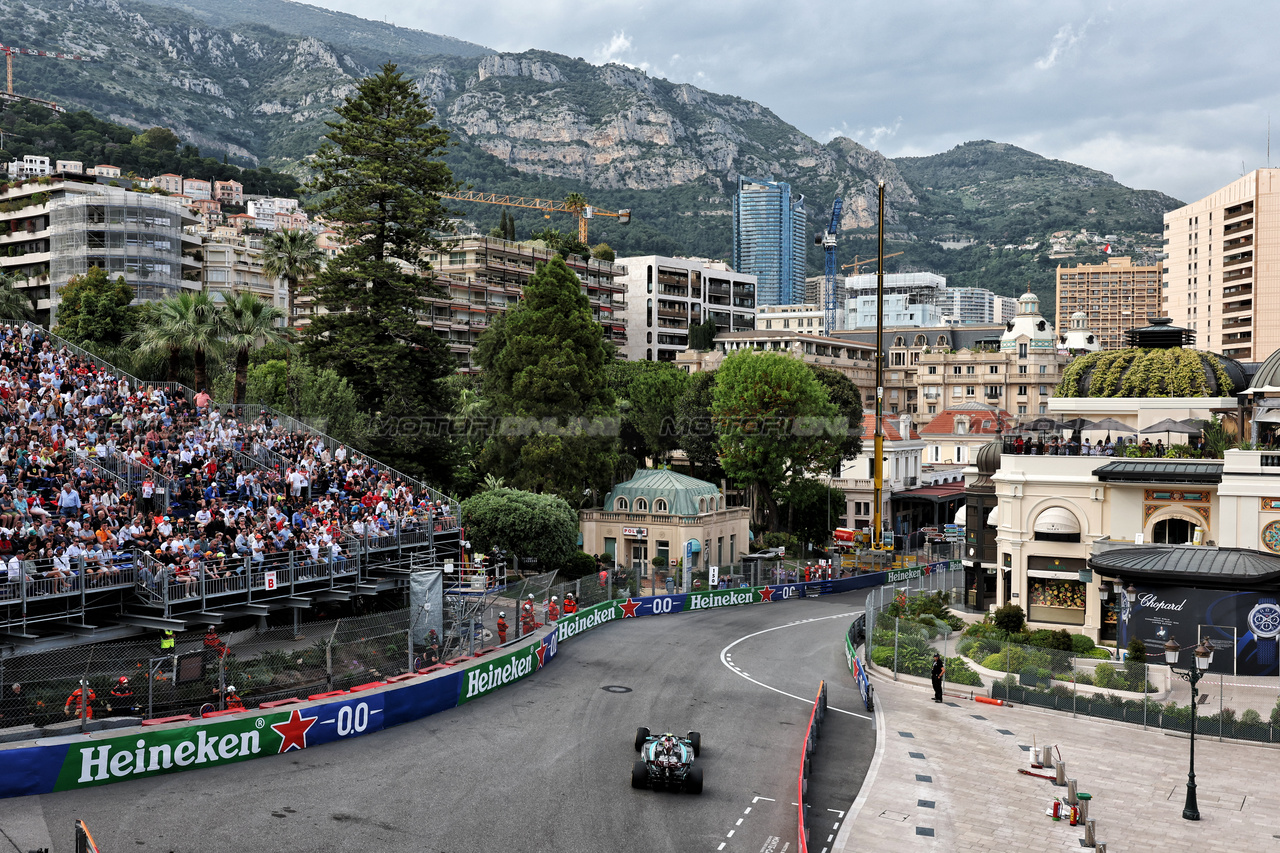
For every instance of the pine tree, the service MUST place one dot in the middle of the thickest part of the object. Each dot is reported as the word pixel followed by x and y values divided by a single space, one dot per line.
pixel 380 174
pixel 544 374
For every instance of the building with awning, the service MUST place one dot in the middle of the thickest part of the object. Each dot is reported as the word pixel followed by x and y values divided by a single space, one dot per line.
pixel 1196 540
pixel 927 506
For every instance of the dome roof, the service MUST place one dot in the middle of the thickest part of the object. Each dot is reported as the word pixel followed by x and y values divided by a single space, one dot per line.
pixel 1029 327
pixel 1268 376
pixel 1136 372
pixel 988 458
pixel 680 491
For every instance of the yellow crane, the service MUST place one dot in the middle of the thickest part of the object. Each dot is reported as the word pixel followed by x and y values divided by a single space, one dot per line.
pixel 857 263
pixel 574 204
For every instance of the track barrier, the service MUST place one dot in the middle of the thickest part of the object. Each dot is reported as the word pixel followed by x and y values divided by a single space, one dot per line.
pixel 65 759
pixel 817 714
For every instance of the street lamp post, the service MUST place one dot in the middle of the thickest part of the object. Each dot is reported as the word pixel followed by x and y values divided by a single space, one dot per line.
pixel 1199 663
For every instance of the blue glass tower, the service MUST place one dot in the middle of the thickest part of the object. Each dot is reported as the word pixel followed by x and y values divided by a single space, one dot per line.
pixel 770 238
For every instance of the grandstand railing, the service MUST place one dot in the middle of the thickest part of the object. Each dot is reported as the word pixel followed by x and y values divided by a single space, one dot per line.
pixel 36 598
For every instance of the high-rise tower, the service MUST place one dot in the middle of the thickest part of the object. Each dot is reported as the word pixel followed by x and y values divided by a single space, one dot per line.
pixel 770 239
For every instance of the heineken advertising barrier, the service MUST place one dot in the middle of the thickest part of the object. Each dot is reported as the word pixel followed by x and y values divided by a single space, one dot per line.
pixel 81 761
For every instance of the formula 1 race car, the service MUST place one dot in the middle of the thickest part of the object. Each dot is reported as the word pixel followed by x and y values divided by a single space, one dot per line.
pixel 666 761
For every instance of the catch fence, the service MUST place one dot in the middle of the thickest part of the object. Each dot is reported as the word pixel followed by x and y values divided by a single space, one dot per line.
pixel 278 663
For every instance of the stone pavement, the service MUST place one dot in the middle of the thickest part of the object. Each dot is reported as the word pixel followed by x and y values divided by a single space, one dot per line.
pixel 944 777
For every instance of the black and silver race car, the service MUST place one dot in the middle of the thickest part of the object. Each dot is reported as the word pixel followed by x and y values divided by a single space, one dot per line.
pixel 666 761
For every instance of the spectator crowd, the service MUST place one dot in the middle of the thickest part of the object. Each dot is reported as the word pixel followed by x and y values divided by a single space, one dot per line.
pixel 97 471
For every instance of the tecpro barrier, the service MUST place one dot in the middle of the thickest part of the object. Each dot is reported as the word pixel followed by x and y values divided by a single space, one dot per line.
pixel 817 714
pixel 70 762
pixel 856 667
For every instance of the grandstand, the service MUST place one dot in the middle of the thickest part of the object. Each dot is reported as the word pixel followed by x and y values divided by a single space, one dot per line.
pixel 126 507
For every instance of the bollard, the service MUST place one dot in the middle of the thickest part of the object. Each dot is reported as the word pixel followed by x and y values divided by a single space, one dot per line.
pixel 1101 846
pixel 1089 827
pixel 1046 756
pixel 1071 793
pixel 1084 805
pixel 1062 774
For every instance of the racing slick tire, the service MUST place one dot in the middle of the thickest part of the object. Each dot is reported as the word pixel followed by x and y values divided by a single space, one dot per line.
pixel 639 775
pixel 695 740
pixel 693 780
pixel 642 735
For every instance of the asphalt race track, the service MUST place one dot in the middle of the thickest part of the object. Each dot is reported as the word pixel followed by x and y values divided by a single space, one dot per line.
pixel 542 766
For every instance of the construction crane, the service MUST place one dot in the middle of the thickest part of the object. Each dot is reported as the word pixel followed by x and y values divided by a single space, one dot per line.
pixel 577 206
pixel 10 50
pixel 828 242
pixel 857 263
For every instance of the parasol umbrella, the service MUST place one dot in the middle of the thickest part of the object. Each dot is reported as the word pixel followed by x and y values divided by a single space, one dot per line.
pixel 1169 425
pixel 1076 424
pixel 1042 424
pixel 1109 424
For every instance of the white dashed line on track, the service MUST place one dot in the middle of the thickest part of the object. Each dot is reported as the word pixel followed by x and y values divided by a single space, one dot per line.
pixel 725 655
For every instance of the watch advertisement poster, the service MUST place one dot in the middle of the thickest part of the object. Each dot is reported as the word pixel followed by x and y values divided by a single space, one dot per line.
pixel 1244 625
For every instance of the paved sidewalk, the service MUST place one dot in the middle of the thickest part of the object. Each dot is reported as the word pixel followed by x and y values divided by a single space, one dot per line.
pixel 945 778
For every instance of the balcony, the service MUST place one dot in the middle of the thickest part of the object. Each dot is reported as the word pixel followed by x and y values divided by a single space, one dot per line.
pixel 680 313
pixel 1237 307
pixel 1239 210
pixel 1236 227
pixel 1238 275
pixel 1237 259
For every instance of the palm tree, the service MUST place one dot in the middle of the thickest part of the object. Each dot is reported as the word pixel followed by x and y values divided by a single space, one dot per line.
pixel 249 322
pixel 14 304
pixel 186 322
pixel 159 333
pixel 295 257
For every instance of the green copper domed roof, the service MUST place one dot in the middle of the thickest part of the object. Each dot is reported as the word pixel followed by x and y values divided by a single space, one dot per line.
pixel 679 491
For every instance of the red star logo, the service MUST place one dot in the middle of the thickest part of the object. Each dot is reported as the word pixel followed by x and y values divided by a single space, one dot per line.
pixel 542 655
pixel 629 609
pixel 294 731
pixel 766 593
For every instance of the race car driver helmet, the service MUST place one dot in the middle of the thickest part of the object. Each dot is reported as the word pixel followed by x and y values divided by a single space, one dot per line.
pixel 502 614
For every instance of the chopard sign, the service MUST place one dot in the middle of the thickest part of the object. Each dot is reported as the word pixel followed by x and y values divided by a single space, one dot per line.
pixel 1149 600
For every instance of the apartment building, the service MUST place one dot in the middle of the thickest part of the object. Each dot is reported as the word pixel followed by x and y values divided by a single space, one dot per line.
pixel 1019 375
pixel 484 276
pixel 1114 296
pixel 806 319
pixel 168 182
pixel 975 305
pixel 905 347
pixel 1223 265
pixel 30 166
pixel 853 360
pixel 197 188
pixel 665 296
pixel 228 192
pixel 233 263
pixel 51 232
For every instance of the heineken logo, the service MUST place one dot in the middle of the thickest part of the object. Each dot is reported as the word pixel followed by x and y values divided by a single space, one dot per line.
pixel 113 761
pixel 726 598
pixel 507 669
pixel 896 575
pixel 585 620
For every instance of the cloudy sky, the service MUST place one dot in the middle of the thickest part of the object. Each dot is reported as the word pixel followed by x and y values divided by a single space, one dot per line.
pixel 1173 96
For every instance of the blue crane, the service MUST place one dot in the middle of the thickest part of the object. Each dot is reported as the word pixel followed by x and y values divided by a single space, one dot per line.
pixel 828 242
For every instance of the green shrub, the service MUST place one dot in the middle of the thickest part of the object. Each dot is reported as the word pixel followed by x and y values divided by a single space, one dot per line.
pixel 958 672
pixel 1009 618
pixel 1022 638
pixel 1098 653
pixel 1275 714
pixel 1081 644
pixel 1046 639
pixel 1251 717
pixel 1104 676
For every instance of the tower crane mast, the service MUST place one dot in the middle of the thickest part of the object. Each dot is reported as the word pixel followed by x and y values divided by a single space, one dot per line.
pixel 10 50
pixel 827 241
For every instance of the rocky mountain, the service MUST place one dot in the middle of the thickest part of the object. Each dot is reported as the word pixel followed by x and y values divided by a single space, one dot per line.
pixel 542 124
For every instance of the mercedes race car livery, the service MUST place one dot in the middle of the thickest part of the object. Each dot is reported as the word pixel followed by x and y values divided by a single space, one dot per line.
pixel 666 761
